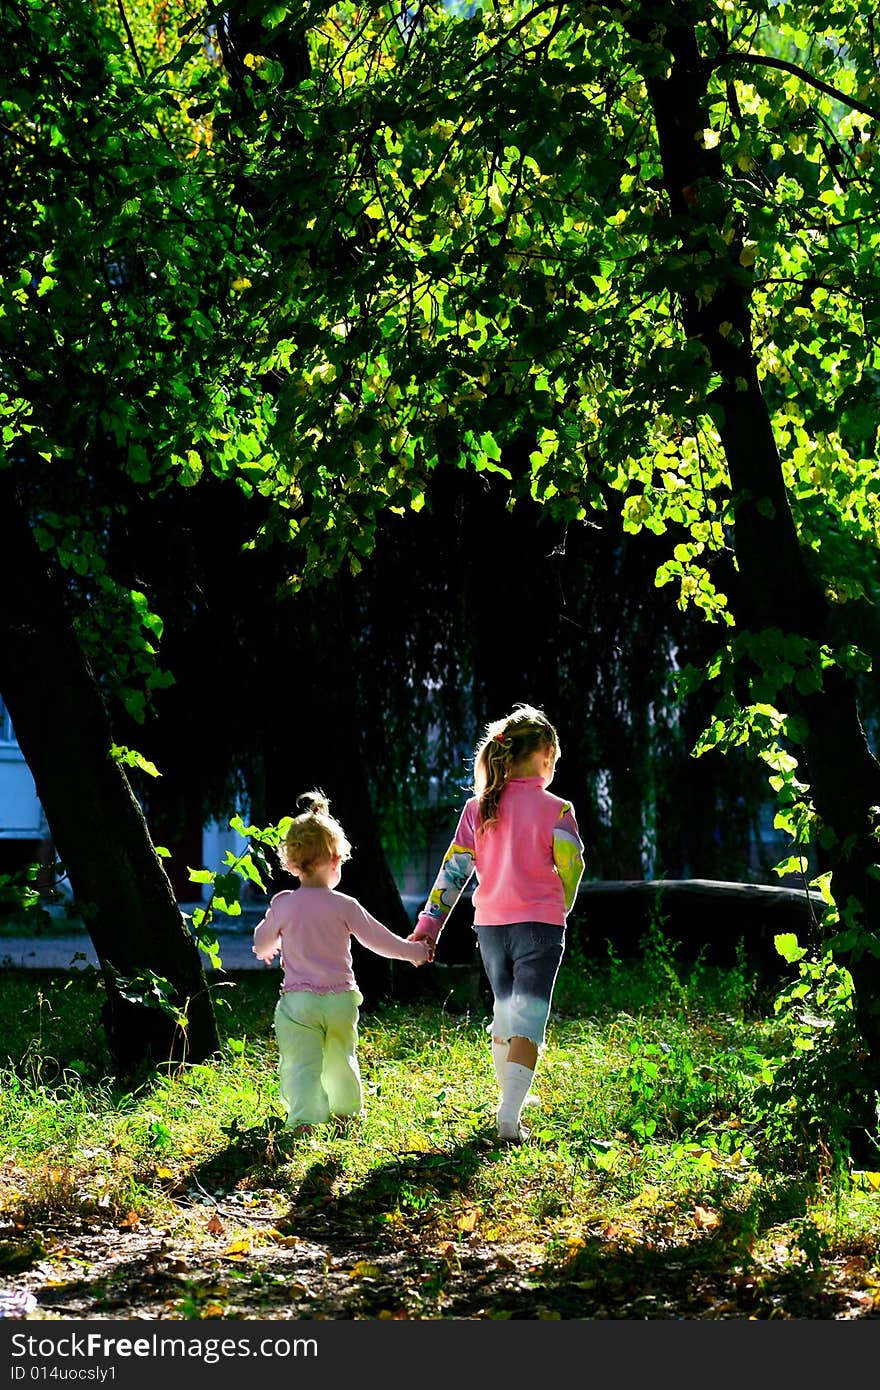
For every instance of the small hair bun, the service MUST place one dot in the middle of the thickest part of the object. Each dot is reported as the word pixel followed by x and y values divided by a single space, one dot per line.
pixel 315 801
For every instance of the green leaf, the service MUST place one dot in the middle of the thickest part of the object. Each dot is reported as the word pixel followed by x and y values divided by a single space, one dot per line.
pixel 787 946
pixel 130 757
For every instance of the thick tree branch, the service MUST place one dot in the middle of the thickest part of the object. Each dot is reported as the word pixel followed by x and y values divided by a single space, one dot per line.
pixel 130 36
pixel 783 65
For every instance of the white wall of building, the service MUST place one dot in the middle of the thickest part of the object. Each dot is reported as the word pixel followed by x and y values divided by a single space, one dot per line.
pixel 21 815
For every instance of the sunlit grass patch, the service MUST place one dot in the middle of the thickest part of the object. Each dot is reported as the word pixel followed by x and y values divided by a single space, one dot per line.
pixel 646 1141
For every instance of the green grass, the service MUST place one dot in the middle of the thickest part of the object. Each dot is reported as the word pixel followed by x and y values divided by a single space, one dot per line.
pixel 651 1131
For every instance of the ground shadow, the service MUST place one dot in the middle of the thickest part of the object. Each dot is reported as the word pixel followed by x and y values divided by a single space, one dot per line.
pixel 411 1183
pixel 711 1275
pixel 373 1251
pixel 261 1145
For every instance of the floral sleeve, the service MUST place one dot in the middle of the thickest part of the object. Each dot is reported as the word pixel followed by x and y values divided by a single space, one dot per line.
pixel 456 869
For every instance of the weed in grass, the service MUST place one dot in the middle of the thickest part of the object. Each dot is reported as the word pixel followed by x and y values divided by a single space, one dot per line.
pixel 77 1189
pixel 50 1014
pixel 805 1109
pixel 50 1191
pixel 736 992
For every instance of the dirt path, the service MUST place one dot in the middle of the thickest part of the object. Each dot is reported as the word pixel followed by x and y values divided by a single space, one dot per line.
pixel 250 1260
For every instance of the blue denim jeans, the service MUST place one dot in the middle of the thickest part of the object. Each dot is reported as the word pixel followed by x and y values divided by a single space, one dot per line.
pixel 521 961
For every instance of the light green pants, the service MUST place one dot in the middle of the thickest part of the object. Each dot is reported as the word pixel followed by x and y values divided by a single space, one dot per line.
pixel 317 1046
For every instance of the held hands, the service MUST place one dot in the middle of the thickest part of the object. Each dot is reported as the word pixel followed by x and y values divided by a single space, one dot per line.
pixel 429 945
pixel 428 953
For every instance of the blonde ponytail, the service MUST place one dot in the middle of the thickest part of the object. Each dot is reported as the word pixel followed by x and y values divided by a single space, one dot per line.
pixel 505 742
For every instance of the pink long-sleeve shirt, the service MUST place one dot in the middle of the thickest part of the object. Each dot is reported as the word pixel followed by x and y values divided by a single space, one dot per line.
pixel 528 864
pixel 312 928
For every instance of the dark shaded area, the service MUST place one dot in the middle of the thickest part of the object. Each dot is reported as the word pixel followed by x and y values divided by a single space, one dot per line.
pixel 416 1180
pixel 704 918
pixel 509 603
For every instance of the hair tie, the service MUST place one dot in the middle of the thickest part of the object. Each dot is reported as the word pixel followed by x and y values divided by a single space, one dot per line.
pixel 499 738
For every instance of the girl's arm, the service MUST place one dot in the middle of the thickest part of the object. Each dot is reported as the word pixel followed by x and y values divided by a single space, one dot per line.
pixel 456 869
pixel 568 855
pixel 267 936
pixel 376 937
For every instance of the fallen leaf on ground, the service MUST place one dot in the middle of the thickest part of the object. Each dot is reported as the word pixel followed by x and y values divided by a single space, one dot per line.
pixel 646 1198
pixel 238 1248
pixel 706 1220
pixel 215 1226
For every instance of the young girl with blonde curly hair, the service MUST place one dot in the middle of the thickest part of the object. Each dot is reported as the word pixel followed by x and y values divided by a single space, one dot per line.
pixel 316 1016
pixel 524 847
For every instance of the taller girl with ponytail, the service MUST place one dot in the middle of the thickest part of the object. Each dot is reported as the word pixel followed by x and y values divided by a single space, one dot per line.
pixel 524 847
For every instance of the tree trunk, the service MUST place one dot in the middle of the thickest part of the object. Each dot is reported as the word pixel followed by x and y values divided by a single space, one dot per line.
pixel 121 889
pixel 776 589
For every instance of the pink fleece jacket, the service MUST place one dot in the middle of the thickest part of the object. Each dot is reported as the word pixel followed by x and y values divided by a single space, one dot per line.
pixel 312 928
pixel 528 864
